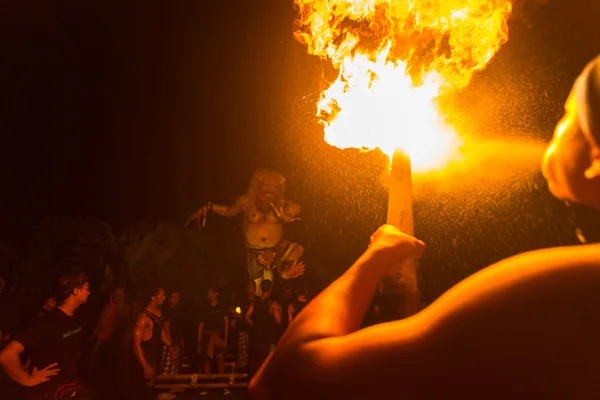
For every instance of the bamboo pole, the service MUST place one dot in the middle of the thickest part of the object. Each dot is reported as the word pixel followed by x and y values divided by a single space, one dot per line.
pixel 209 377
pixel 177 386
pixel 400 215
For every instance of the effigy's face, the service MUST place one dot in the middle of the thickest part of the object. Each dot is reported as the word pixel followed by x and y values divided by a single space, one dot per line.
pixel 567 158
pixel 269 188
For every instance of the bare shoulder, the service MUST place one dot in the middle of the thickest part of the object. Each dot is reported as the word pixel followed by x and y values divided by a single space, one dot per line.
pixel 142 320
pixel 583 255
pixel 532 315
pixel 568 266
pixel 558 260
pixel 520 315
pixel 13 348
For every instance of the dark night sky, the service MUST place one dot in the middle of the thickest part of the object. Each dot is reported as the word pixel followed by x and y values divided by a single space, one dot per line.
pixel 138 110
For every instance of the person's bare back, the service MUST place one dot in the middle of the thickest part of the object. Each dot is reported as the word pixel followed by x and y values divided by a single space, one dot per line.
pixel 527 325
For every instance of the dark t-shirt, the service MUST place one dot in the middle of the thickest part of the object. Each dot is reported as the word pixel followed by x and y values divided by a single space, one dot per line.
pixel 54 338
pixel 265 328
pixel 175 317
pixel 213 316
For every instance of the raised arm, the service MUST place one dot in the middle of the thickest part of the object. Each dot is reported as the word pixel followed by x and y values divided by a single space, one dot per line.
pixel 231 210
pixel 337 311
pixel 349 297
pixel 524 325
pixel 226 211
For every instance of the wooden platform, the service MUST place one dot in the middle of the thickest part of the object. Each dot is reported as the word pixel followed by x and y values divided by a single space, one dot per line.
pixel 202 382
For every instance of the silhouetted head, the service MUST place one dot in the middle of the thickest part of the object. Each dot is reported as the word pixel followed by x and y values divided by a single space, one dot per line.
pixel 572 161
pixel 266 286
pixel 75 286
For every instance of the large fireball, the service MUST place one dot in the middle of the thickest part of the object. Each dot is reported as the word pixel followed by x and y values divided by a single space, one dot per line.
pixel 395 58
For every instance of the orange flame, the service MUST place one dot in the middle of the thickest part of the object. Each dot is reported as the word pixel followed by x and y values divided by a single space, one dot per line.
pixel 395 58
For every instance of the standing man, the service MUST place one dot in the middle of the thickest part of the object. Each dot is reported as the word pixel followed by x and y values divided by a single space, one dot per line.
pixel 264 316
pixel 108 336
pixel 171 357
pixel 239 324
pixel 148 334
pixel 213 331
pixel 54 343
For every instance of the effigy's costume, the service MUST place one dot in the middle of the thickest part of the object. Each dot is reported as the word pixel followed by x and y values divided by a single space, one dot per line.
pixel 268 254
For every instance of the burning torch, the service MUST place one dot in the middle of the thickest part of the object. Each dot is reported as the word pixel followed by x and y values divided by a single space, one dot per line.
pixel 394 59
pixel 400 215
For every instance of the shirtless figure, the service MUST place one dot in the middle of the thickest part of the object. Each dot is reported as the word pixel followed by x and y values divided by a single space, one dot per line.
pixel 149 334
pixel 266 211
pixel 524 328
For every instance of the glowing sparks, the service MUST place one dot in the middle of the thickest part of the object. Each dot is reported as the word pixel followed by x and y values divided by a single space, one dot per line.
pixel 394 59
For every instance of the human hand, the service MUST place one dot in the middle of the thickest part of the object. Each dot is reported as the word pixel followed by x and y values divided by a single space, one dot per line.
pixel 295 270
pixel 149 373
pixel 282 215
pixel 395 245
pixel 42 375
pixel 197 215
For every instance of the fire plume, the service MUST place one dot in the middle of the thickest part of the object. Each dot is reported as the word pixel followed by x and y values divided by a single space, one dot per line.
pixel 395 58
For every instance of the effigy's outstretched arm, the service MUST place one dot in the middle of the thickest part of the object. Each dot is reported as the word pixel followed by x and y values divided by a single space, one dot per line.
pixel 222 210
pixel 231 210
